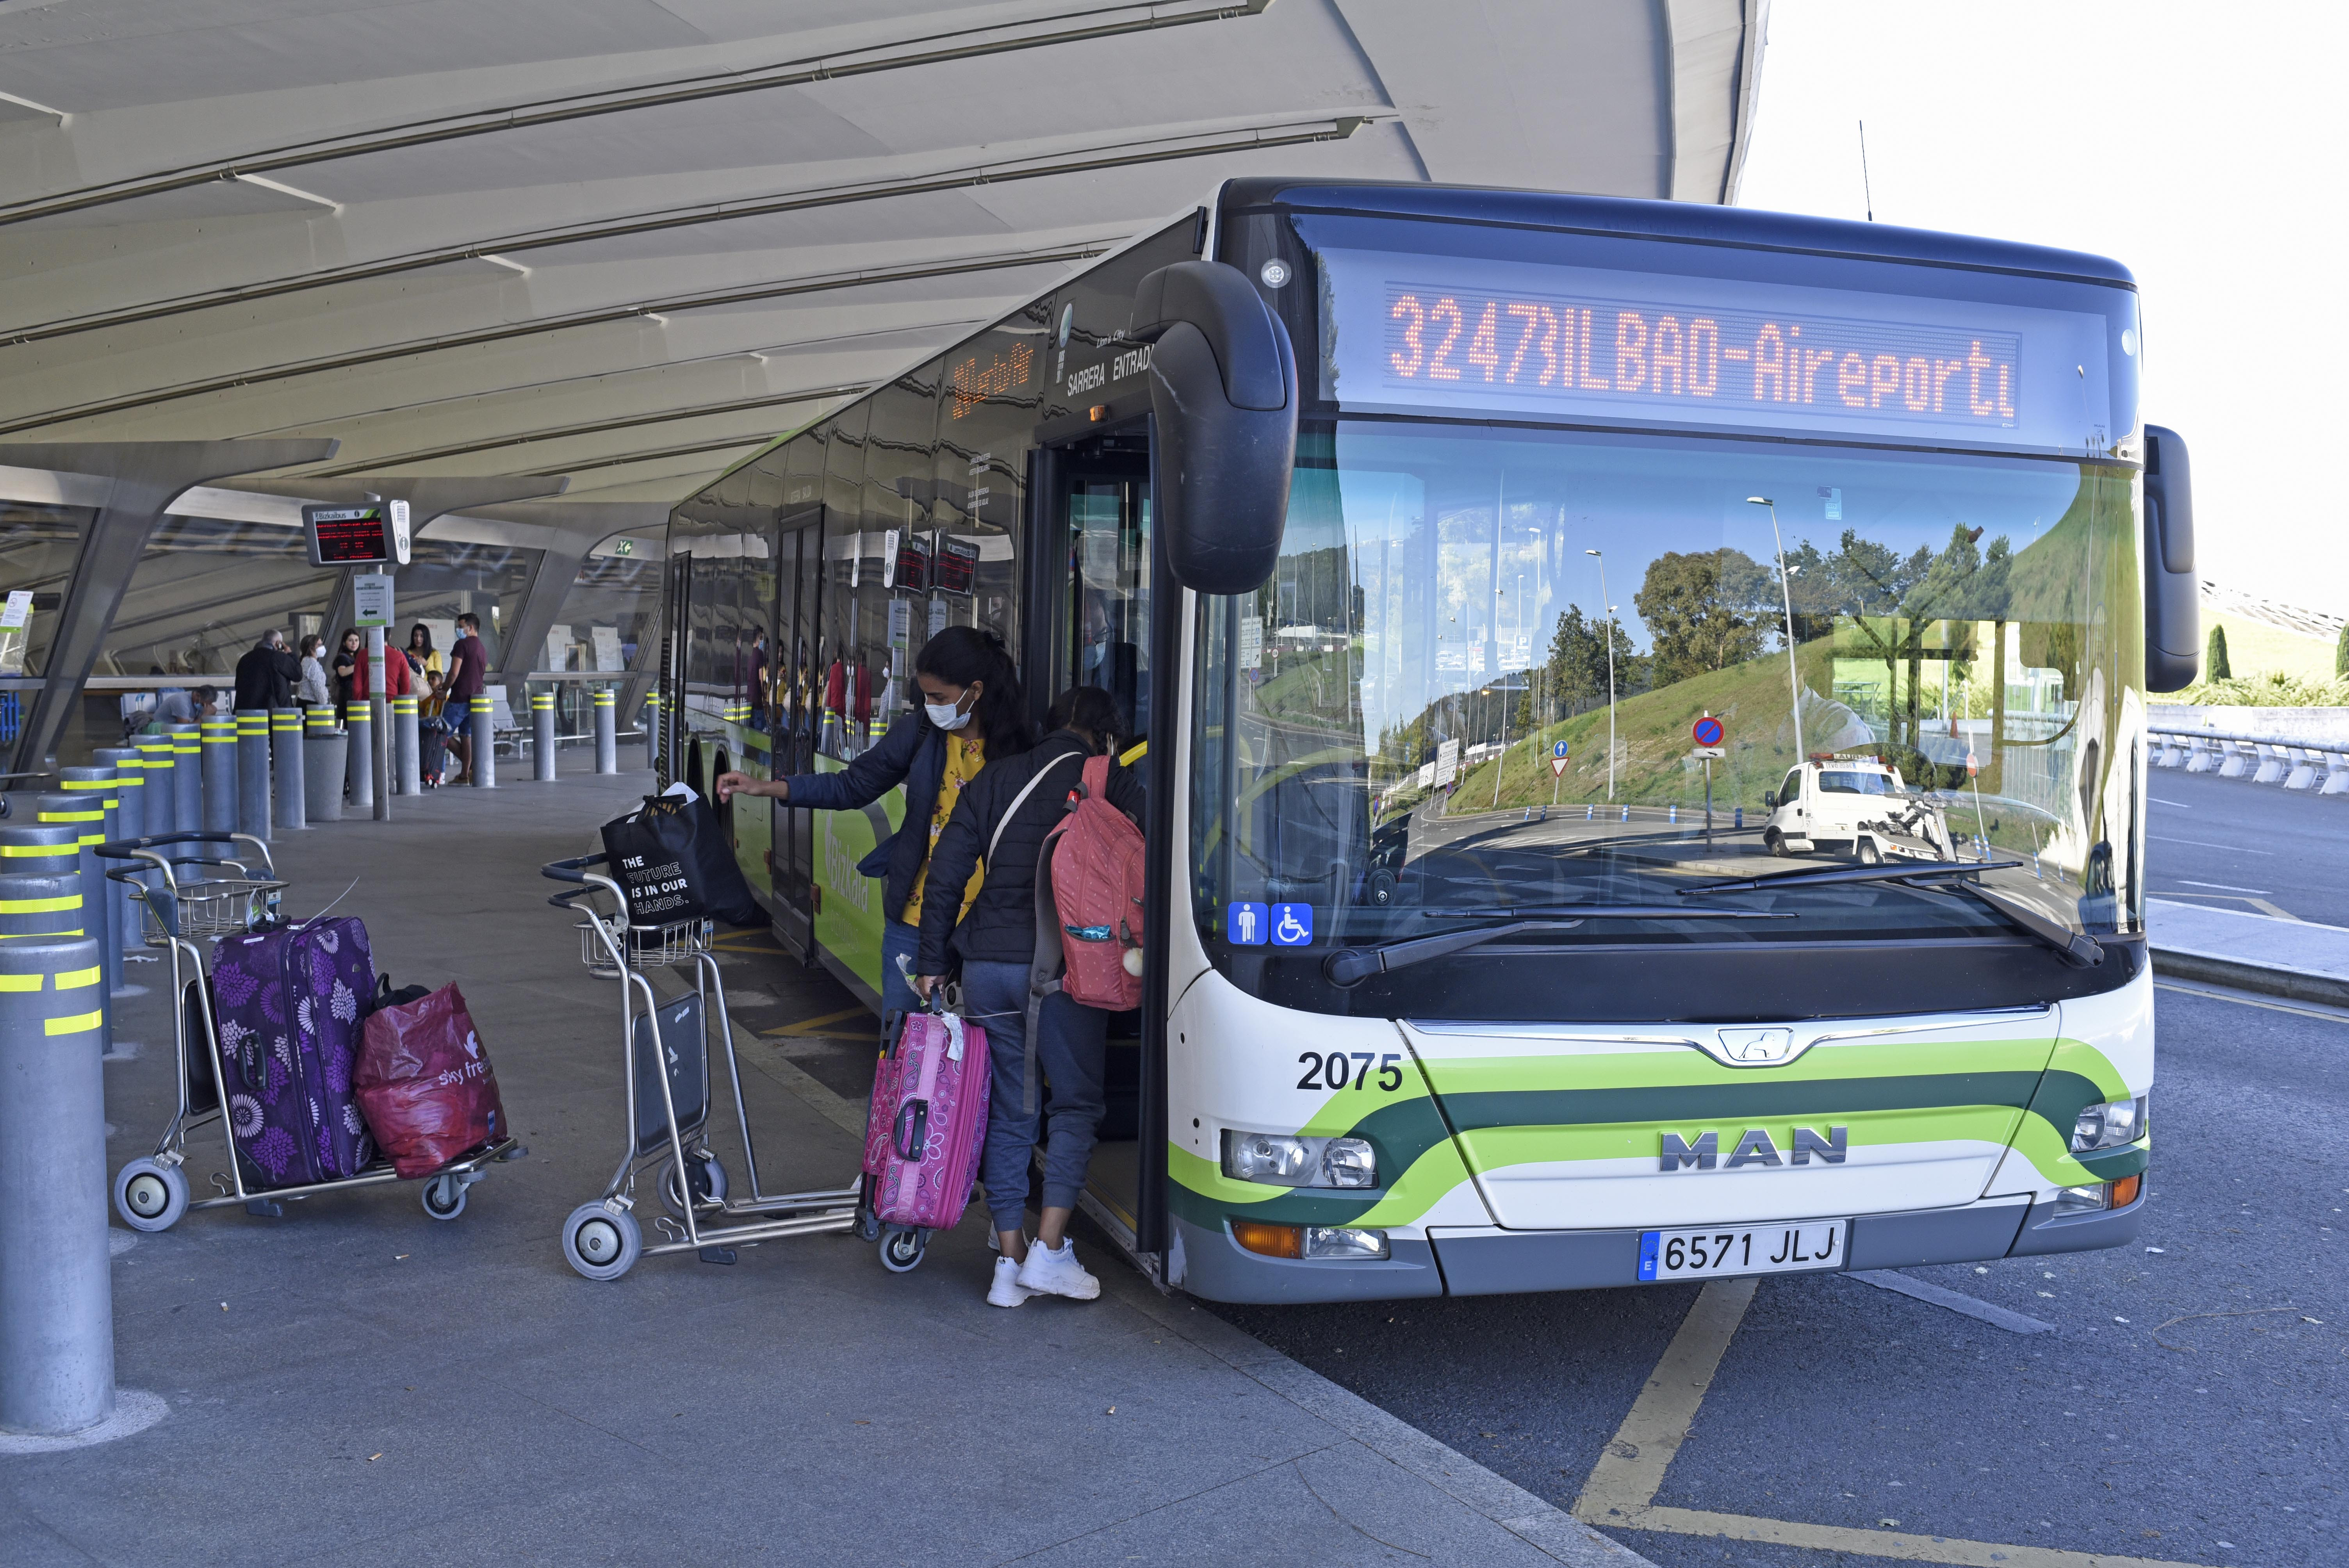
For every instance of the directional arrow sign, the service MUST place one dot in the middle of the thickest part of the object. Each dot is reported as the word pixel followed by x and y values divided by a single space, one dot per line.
pixel 1707 731
pixel 1558 751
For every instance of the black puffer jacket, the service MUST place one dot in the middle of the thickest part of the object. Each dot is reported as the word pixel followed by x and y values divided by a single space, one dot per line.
pixel 1001 925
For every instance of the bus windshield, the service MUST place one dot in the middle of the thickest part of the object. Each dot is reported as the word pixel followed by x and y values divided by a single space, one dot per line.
pixel 1502 669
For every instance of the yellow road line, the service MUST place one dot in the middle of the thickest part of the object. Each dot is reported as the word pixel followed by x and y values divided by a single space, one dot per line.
pixel 1893 1543
pixel 2247 1001
pixel 817 1028
pixel 1626 1475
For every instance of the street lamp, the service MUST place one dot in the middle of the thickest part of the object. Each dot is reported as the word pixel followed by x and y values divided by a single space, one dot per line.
pixel 1610 672
pixel 1786 587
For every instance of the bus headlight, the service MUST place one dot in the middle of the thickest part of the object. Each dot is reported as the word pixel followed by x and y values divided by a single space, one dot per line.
pixel 2110 1125
pixel 1280 1160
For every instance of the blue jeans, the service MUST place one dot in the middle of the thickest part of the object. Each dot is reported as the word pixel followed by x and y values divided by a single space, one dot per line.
pixel 1071 1045
pixel 898 938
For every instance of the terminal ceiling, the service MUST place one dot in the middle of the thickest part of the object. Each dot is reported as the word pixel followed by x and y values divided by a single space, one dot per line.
pixel 629 243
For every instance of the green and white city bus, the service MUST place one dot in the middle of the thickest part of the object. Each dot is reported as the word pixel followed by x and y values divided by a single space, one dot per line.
pixel 1482 574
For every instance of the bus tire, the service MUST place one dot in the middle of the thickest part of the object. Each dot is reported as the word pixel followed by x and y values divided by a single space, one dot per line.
pixel 1774 841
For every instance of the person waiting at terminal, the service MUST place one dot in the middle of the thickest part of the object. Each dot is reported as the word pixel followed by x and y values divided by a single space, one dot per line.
pixel 423 658
pixel 469 675
pixel 348 657
pixel 267 675
pixel 972 713
pixel 396 681
pixel 311 691
pixel 997 830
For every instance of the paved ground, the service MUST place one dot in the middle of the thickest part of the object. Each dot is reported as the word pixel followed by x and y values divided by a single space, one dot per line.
pixel 357 1384
pixel 2234 844
pixel 2188 1405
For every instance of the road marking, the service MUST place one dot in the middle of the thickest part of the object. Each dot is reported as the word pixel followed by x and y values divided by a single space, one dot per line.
pixel 1956 1301
pixel 2248 1002
pixel 1622 1487
pixel 2207 844
pixel 2179 804
pixel 2272 911
pixel 820 1029
pixel 2228 887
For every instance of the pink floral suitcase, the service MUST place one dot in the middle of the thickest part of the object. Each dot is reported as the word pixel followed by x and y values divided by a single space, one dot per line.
pixel 927 1123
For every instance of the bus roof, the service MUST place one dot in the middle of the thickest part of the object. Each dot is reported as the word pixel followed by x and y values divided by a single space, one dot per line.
pixel 1689 221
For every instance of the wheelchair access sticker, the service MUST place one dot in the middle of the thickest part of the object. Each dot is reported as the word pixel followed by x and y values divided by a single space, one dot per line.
pixel 1292 925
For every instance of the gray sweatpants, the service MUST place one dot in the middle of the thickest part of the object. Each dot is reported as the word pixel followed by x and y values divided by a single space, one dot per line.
pixel 1072 1044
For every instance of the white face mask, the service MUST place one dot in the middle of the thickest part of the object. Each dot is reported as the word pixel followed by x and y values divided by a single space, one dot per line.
pixel 946 715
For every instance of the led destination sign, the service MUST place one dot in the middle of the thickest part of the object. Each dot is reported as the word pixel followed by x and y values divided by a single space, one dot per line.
pixel 1414 332
pixel 347 535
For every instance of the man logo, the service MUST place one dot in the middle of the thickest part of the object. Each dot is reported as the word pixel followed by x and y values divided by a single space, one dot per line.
pixel 1755 1148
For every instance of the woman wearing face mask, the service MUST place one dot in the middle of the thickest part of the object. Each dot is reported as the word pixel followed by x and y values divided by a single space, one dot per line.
pixel 972 713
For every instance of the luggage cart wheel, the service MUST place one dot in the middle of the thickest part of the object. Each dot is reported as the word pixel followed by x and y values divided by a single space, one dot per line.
pixel 600 1244
pixel 444 1197
pixel 902 1250
pixel 149 1195
pixel 705 1173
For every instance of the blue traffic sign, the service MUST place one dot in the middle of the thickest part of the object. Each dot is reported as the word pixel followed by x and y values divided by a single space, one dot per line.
pixel 1708 731
pixel 1558 750
pixel 1246 925
pixel 1292 925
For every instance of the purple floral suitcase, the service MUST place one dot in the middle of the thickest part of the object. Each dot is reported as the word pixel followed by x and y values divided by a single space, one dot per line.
pixel 927 1122
pixel 287 1004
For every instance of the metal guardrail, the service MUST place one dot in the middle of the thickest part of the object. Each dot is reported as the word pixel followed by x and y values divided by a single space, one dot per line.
pixel 2263 758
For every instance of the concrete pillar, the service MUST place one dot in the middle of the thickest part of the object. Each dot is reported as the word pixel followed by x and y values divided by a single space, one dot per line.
pixel 86 814
pixel 407 777
pixel 56 1302
pixel 97 787
pixel 253 772
pixel 187 785
pixel 542 744
pixel 285 741
pixel 483 739
pixel 607 730
pixel 326 753
pixel 129 822
pixel 217 762
pixel 358 724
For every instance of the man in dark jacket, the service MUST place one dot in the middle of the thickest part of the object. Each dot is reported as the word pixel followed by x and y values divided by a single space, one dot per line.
pixel 266 675
pixel 1003 817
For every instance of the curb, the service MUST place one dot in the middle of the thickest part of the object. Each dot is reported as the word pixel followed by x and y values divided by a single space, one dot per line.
pixel 2247 974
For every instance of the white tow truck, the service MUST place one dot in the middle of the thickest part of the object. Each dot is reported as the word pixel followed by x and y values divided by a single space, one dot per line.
pixel 1854 806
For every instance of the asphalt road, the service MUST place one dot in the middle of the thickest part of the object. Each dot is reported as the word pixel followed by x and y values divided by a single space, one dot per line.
pixel 2189 1406
pixel 2233 845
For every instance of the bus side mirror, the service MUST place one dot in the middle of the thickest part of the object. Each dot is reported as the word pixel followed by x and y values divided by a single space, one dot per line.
pixel 2173 610
pixel 1223 385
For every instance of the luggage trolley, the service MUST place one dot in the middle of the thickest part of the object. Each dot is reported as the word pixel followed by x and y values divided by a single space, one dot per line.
pixel 229 899
pixel 666 1047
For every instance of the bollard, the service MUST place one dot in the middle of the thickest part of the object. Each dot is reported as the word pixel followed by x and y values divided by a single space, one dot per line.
pixel 1741 816
pixel 40 879
pixel 98 787
pixel 542 743
pixel 407 768
pixel 187 785
pixel 607 730
pixel 86 814
pixel 1627 813
pixel 56 1303
pixel 253 772
pixel 286 739
pixel 217 764
pixel 129 822
pixel 483 739
pixel 326 751
pixel 1590 813
pixel 162 788
pixel 1675 813
pixel 358 723
pixel 652 731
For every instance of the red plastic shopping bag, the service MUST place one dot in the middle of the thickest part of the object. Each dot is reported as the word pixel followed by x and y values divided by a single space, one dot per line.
pixel 424 1083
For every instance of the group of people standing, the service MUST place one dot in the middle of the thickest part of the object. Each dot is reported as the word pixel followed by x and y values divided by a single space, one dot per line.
pixel 270 676
pixel 983 790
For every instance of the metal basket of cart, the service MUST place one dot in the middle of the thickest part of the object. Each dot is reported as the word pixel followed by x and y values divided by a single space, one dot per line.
pixel 206 899
pixel 669 1092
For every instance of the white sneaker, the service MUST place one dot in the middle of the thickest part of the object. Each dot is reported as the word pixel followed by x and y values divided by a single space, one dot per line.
pixel 1007 1290
pixel 1048 1272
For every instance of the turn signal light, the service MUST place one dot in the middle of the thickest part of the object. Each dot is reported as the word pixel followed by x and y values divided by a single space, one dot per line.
pixel 2124 1190
pixel 1272 1241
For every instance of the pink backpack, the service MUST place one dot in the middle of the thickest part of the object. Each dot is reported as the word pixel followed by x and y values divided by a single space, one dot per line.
pixel 1089 875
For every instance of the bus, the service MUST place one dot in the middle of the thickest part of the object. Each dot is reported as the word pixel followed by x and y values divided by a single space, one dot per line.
pixel 1472 569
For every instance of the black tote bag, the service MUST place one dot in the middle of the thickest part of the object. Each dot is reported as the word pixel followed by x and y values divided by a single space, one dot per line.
pixel 672 858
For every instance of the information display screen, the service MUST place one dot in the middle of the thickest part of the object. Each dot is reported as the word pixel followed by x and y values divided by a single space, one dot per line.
pixel 957 565
pixel 1417 331
pixel 347 535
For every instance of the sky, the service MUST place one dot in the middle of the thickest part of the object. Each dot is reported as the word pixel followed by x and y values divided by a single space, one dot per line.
pixel 2199 145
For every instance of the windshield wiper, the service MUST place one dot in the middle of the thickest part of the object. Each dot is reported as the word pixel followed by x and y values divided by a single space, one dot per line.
pixel 1348 965
pixel 2077 948
pixel 1915 870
